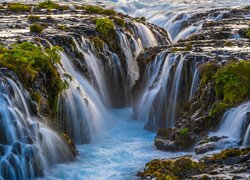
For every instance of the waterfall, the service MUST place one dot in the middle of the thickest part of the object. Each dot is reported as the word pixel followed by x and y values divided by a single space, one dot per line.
pixel 80 108
pixel 27 146
pixel 195 83
pixel 95 67
pixel 146 35
pixel 235 126
pixel 154 103
pixel 175 90
pixel 132 66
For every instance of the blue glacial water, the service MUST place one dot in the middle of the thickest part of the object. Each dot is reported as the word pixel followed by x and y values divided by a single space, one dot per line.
pixel 120 153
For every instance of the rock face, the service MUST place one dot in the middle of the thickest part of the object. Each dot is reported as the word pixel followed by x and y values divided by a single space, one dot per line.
pixel 218 43
pixel 229 164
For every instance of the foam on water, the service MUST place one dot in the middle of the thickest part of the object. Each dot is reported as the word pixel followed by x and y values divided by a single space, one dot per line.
pixel 119 154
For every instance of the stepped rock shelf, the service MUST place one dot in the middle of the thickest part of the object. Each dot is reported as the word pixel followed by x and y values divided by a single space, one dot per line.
pixel 63 68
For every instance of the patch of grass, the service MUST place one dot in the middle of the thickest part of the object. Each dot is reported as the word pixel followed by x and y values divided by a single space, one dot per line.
pixel 104 26
pixel 49 5
pixel 119 21
pixel 33 18
pixel 228 44
pixel 97 10
pixel 18 7
pixel 36 28
pixel 184 132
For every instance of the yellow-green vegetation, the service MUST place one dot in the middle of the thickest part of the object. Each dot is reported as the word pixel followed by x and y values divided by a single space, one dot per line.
pixel 33 18
pixel 228 44
pixel 228 153
pixel 62 27
pixel 207 72
pixel 119 21
pixel 28 61
pixel 36 28
pixel 232 82
pixel 49 5
pixel 184 132
pixel 180 168
pixel 18 7
pixel 97 42
pixel 105 26
pixel 248 33
pixel 188 47
pixel 97 10
pixel 218 107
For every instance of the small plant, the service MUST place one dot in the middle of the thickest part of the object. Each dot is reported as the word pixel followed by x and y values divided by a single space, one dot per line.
pixel 18 7
pixel 62 27
pixel 36 28
pixel 143 18
pixel 33 18
pixel 119 21
pixel 104 26
pixel 97 10
pixel 184 132
pixel 228 44
pixel 109 12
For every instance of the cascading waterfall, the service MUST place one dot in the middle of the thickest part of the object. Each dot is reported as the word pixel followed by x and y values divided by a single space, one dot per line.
pixel 154 102
pixel 27 146
pixel 146 35
pixel 80 106
pixel 95 67
pixel 195 83
pixel 235 127
pixel 132 66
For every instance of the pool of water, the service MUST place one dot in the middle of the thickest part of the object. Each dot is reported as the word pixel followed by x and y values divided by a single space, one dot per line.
pixel 120 153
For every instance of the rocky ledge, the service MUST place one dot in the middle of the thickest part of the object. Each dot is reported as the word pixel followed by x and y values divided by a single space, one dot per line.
pixel 228 164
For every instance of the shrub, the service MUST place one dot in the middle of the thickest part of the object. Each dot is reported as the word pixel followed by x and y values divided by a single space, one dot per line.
pixel 28 60
pixel 33 18
pixel 232 82
pixel 119 21
pixel 36 28
pixel 104 26
pixel 18 7
pixel 188 47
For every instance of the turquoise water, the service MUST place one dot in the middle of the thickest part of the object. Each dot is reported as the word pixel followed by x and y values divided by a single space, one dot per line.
pixel 120 153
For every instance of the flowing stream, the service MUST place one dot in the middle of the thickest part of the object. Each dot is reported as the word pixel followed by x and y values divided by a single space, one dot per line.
pixel 120 153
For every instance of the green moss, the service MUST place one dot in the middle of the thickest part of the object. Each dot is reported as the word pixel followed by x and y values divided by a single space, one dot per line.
pixel 228 153
pixel 104 26
pixel 49 5
pixel 36 96
pixel 97 10
pixel 119 21
pixel 228 44
pixel 248 33
pixel 184 132
pixel 27 61
pixel 218 107
pixel 97 42
pixel 33 18
pixel 174 169
pixel 18 7
pixel 36 28
pixel 207 72
pixel 62 27
pixel 232 82
pixel 188 47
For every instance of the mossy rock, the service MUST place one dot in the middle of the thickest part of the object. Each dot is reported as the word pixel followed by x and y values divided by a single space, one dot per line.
pixel 179 168
pixel 36 28
pixel 18 7
pixel 105 27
